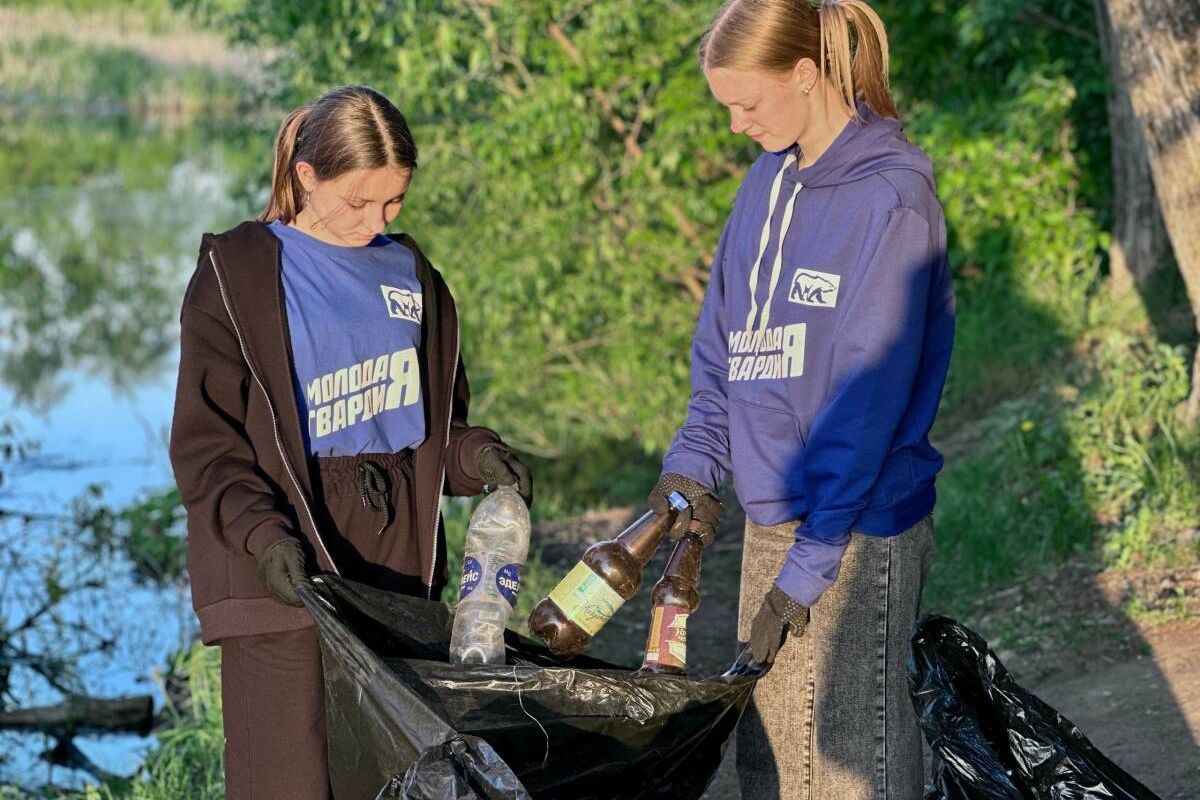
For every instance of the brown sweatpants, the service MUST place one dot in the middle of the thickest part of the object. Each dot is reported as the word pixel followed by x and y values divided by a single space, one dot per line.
pixel 272 686
pixel 273 696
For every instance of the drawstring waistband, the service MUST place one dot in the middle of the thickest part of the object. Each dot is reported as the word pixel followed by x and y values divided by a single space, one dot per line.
pixel 374 490
pixel 370 477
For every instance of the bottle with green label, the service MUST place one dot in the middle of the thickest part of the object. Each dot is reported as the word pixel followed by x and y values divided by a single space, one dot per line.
pixel 609 573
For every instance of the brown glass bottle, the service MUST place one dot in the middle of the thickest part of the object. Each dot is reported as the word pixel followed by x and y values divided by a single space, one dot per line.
pixel 609 573
pixel 674 597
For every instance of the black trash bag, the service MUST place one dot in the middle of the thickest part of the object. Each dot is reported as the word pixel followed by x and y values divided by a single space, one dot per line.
pixel 993 740
pixel 401 719
pixel 463 768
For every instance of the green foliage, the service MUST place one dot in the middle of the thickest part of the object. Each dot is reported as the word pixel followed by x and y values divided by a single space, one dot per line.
pixel 149 533
pixel 1008 98
pixel 575 175
pixel 188 759
pixel 1013 506
pixel 1100 451
pixel 1141 465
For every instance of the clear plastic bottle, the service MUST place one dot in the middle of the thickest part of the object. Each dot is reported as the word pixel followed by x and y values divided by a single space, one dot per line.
pixel 496 547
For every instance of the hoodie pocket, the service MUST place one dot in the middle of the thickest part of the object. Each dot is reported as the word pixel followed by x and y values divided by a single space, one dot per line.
pixel 767 450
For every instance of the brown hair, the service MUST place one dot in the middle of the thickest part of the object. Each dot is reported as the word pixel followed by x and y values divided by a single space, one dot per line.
pixel 844 38
pixel 354 127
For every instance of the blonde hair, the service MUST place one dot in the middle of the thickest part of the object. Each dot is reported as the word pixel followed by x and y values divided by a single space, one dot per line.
pixel 844 38
pixel 353 127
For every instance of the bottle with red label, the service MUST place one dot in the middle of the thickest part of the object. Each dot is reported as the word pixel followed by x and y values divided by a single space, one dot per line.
pixel 609 573
pixel 496 547
pixel 674 598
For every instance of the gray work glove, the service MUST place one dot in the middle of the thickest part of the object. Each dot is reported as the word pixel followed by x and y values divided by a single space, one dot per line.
pixel 281 569
pixel 499 467
pixel 703 511
pixel 778 614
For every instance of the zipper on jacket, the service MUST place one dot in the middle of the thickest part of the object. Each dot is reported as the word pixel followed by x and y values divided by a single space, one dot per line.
pixel 212 256
pixel 437 500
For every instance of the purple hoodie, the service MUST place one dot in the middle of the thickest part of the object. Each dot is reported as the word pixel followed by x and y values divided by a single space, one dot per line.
pixel 817 367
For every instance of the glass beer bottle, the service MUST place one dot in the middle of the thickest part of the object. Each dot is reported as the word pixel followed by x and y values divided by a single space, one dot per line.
pixel 674 597
pixel 609 573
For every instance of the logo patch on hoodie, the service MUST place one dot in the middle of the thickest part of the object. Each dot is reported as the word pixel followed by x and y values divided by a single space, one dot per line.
pixel 402 303
pixel 812 288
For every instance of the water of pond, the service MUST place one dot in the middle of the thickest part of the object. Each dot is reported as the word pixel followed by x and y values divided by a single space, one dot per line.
pixel 100 221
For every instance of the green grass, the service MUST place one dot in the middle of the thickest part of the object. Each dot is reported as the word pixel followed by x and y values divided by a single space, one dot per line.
pixel 188 762
pixel 145 6
pixel 1092 462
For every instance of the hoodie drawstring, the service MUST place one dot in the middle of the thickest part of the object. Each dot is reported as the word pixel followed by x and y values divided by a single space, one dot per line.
pixel 765 237
pixel 784 225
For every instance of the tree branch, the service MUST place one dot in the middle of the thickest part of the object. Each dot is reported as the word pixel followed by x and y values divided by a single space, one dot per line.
pixel 1040 17
pixel 555 32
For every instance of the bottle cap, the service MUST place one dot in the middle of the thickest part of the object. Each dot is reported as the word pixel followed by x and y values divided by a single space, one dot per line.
pixel 677 501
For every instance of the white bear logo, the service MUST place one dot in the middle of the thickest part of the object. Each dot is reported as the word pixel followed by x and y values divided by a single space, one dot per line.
pixel 402 303
pixel 812 288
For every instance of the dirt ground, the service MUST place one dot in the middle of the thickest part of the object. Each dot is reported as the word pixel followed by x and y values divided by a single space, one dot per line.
pixel 1132 688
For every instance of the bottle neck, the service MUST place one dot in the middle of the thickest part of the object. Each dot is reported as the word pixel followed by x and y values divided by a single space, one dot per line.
pixel 643 537
pixel 684 563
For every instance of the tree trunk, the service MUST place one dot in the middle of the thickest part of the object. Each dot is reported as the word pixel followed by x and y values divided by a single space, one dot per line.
pixel 1139 240
pixel 85 715
pixel 1157 58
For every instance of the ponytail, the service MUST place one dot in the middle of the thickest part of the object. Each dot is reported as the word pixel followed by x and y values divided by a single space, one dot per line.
pixel 287 195
pixel 348 128
pixel 852 24
pixel 845 38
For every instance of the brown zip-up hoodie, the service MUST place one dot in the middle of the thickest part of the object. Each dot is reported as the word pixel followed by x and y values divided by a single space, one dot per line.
pixel 237 447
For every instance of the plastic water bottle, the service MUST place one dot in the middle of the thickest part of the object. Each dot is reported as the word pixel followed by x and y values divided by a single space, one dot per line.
pixel 496 547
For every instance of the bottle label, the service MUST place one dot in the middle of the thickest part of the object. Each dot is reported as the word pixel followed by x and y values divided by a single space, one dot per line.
pixel 472 572
pixel 508 582
pixel 667 644
pixel 586 598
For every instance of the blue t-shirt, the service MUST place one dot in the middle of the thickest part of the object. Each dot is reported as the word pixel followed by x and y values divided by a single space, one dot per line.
pixel 354 317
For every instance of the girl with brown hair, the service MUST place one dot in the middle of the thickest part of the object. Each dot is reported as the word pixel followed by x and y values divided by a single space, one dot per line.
pixel 817 369
pixel 320 415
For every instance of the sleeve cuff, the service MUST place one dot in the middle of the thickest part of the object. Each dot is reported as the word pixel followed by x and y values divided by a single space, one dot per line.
pixel 264 536
pixel 702 469
pixel 811 567
pixel 472 442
